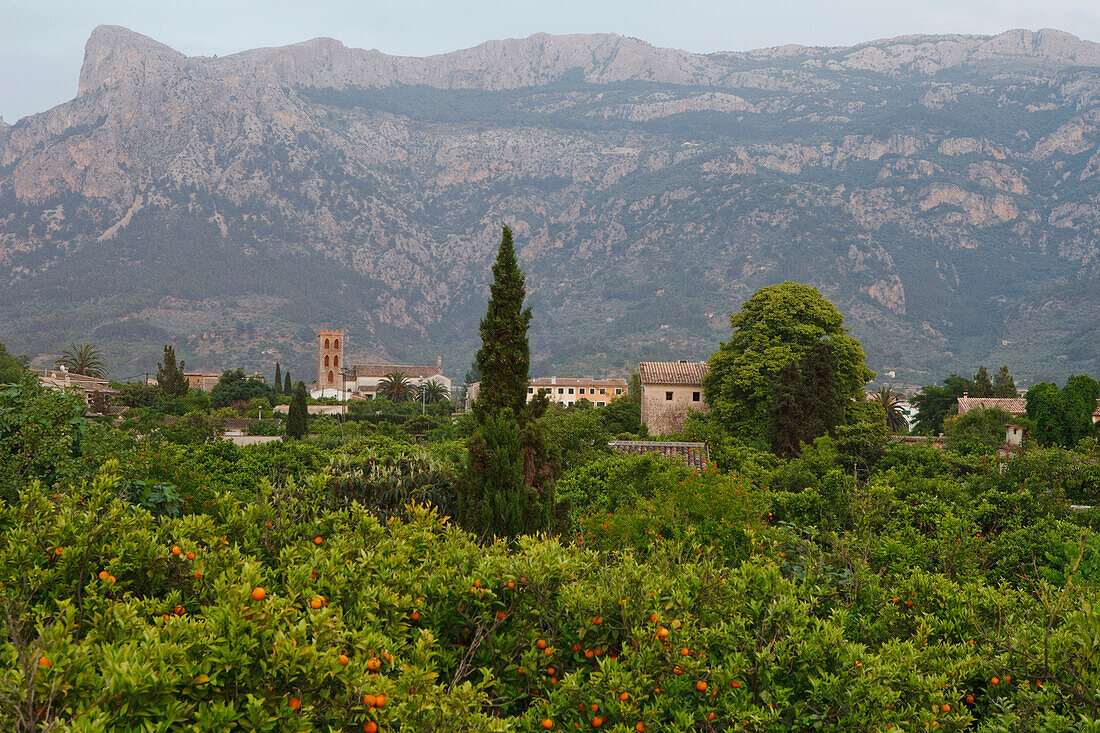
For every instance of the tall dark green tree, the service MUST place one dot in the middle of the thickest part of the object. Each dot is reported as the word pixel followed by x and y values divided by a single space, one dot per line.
pixel 1063 417
pixel 297 419
pixel 277 385
pixel 170 377
pixel 934 403
pixel 287 384
pixel 981 385
pixel 1004 385
pixel 508 485
pixel 12 368
pixel 807 400
pixel 505 356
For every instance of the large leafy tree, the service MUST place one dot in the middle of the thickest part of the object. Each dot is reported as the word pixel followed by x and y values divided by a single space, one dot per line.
pixel 934 403
pixel 396 387
pixel 170 376
pixel 297 418
pixel 83 359
pixel 1062 417
pixel 508 486
pixel 775 327
pixel 891 402
pixel 234 386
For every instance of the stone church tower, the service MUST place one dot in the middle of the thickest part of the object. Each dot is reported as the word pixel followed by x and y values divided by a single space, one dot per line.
pixel 330 359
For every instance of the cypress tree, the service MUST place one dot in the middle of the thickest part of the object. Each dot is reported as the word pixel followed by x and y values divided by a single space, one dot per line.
pixel 1004 385
pixel 170 376
pixel 286 384
pixel 508 485
pixel 982 385
pixel 277 385
pixel 298 417
pixel 504 356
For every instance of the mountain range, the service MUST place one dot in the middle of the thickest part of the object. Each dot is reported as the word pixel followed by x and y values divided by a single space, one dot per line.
pixel 942 191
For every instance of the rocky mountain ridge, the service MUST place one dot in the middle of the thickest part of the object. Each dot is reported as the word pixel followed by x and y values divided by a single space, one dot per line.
pixel 938 188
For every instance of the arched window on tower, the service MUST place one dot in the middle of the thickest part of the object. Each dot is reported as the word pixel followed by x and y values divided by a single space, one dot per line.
pixel 336 360
pixel 326 359
pixel 331 377
pixel 336 344
pixel 326 343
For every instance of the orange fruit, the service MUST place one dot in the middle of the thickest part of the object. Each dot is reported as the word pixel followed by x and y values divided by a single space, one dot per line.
pixel 734 684
pixel 1008 678
pixel 198 574
pixel 909 604
pixel 379 701
pixel 640 727
pixel 369 700
pixel 294 703
pixel 624 696
pixel 111 578
pixel 969 699
pixel 685 652
pixel 701 686
pixel 317 540
pixel 652 619
pixel 176 550
pixel 548 651
pixel 597 721
pixel 315 603
pixel 547 723
pixel 511 585
pixel 500 615
pixel 344 659
pixel 597 620
pixel 995 681
pixel 945 708
pixel 179 610
pixel 577 647
pixel 373 663
pixel 414 616
pixel 710 716
pixel 541 643
pixel 589 653
pixel 258 594
pixel 44 662
pixel 662 632
pixel 370 727
pixel 190 556
pixel 103 575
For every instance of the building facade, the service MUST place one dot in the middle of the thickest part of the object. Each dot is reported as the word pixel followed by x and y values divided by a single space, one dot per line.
pixel 363 379
pixel 205 382
pixel 670 391
pixel 330 359
pixel 569 391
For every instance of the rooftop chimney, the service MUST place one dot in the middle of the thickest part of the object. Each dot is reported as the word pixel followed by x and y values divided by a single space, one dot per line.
pixel 439 363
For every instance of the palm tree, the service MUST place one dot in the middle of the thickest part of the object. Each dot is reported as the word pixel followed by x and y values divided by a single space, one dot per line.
pixel 396 387
pixel 432 392
pixel 891 403
pixel 83 359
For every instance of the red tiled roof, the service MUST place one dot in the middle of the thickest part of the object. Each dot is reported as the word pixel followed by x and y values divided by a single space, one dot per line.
pixel 695 455
pixel 381 370
pixel 1014 406
pixel 686 373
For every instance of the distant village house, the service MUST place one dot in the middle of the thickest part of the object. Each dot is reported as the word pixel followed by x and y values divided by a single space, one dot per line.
pixel 566 390
pixel 671 390
pixel 90 388
pixel 360 381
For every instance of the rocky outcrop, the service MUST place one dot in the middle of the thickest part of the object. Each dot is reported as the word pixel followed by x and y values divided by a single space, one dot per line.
pixel 936 187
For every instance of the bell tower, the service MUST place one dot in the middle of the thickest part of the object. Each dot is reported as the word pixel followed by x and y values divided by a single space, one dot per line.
pixel 330 359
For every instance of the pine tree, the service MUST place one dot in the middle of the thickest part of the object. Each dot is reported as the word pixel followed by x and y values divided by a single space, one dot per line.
pixel 508 485
pixel 298 417
pixel 277 385
pixel 504 357
pixel 170 376
pixel 1004 385
pixel 286 384
pixel 982 384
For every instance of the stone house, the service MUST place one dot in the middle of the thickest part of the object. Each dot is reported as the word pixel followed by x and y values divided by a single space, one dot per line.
pixel 89 387
pixel 671 390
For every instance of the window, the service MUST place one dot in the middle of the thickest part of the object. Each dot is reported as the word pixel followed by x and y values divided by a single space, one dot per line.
pixel 603 390
pixel 619 390
pixel 561 391
pixel 570 391
pixel 336 360
pixel 530 390
pixel 694 396
pixel 326 364
pixel 600 404
pixel 336 344
pixel 326 343
pixel 668 396
pixel 331 377
pixel 582 390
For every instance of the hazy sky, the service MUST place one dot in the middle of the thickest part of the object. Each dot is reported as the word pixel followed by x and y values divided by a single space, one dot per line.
pixel 42 41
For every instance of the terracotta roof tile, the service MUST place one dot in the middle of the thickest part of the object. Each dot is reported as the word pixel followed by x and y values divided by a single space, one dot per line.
pixel 695 455
pixel 686 373
pixel 1014 406
pixel 411 372
pixel 575 382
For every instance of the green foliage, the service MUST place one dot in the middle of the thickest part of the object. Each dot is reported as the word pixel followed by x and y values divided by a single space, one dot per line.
pixel 392 485
pixel 504 357
pixel 891 402
pixel 1062 417
pixel 233 386
pixel 1004 385
pixel 621 416
pixel 862 439
pixel 934 403
pixel 494 502
pixel 297 420
pixel 170 377
pixel 12 368
pixel 807 400
pixel 981 385
pixel 396 387
pixel 83 359
pixel 978 431
pixel 778 325
pixel 277 384
pixel 579 435
pixel 287 385
pixel 602 485
pixel 194 428
pixel 138 394
pixel 40 435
